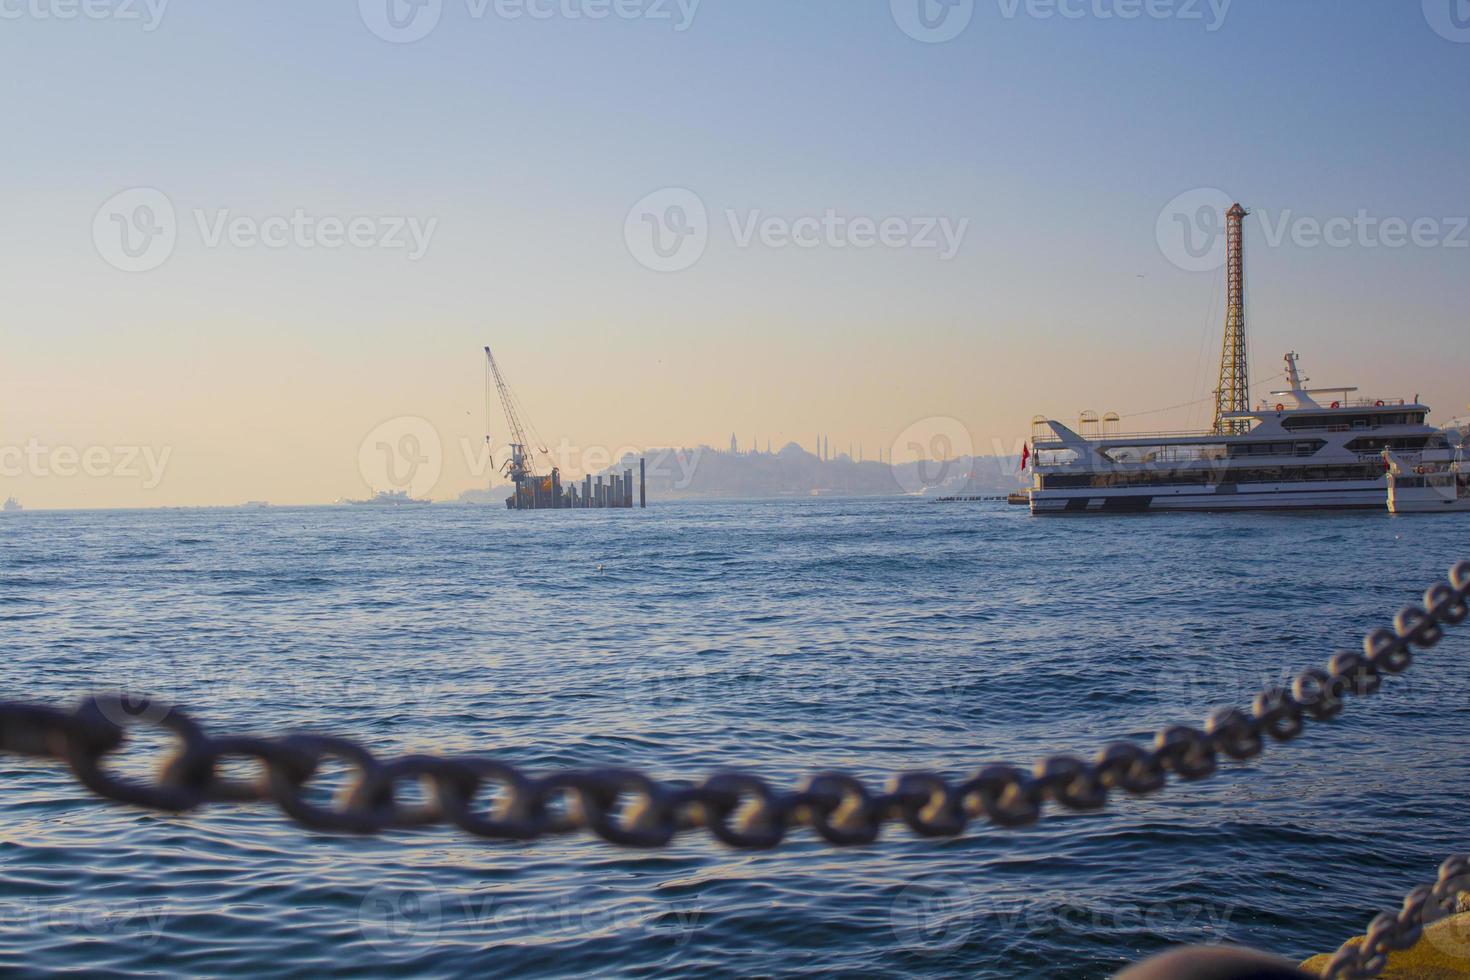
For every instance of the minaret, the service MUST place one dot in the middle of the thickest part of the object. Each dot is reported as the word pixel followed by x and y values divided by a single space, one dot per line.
pixel 1234 393
pixel 734 446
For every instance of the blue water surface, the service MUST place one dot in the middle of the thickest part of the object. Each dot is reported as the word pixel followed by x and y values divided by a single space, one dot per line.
pixel 788 637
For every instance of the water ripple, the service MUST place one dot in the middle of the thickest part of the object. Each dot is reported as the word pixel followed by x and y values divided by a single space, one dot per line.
pixel 868 636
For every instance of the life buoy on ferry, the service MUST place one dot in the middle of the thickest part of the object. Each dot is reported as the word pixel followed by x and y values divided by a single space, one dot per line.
pixel 1337 405
pixel 1378 403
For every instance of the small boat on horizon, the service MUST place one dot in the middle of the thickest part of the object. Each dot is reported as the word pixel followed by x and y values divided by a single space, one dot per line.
pixel 11 506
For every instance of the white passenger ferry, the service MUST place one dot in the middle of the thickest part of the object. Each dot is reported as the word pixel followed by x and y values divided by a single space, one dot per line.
pixel 1304 448
pixel 1434 481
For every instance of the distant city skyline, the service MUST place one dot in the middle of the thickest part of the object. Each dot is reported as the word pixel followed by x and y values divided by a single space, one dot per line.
pixel 1012 216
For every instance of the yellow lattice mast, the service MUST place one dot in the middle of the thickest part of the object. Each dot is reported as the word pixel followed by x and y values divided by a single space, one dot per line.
pixel 1234 393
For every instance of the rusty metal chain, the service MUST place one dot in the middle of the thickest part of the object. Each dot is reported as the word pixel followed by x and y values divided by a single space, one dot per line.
pixel 1394 931
pixel 494 800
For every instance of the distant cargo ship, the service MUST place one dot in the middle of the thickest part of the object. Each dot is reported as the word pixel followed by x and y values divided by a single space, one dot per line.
pixel 11 505
pixel 388 498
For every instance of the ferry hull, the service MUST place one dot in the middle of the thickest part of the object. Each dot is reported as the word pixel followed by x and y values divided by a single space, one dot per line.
pixel 1428 500
pixel 1402 506
pixel 1355 495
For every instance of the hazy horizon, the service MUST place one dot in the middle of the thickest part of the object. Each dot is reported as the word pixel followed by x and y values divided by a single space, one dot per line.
pixel 255 245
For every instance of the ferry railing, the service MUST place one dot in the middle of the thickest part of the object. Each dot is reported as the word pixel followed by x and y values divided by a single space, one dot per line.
pixel 1042 441
pixel 1366 426
pixel 1173 455
pixel 1376 403
pixel 1042 435
pixel 1051 443
pixel 1369 402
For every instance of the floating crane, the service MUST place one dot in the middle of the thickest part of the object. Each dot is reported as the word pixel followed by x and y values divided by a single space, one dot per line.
pixel 537 492
pixel 521 466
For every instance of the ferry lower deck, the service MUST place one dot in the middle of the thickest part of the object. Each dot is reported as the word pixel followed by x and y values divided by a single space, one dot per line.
pixel 1326 495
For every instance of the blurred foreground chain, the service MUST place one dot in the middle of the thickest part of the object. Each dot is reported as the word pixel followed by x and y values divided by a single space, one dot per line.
pixel 496 800
pixel 1395 932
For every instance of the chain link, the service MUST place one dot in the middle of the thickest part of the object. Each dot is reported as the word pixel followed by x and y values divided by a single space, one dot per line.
pixel 1395 931
pixel 494 800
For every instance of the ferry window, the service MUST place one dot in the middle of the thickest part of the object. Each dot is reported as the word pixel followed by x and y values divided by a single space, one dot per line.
pixel 1333 423
pixel 1380 444
pixel 1069 482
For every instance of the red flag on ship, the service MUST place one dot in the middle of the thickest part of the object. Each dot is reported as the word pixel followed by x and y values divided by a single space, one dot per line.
pixel 1025 455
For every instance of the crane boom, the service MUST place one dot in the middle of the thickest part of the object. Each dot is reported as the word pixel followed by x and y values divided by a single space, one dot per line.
pixel 521 465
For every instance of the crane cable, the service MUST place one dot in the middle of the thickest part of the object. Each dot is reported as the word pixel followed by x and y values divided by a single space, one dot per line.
pixel 1197 401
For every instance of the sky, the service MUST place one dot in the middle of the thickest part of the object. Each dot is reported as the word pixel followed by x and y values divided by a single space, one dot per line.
pixel 254 251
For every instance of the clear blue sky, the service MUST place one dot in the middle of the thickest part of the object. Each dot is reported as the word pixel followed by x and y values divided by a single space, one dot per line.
pixel 1059 139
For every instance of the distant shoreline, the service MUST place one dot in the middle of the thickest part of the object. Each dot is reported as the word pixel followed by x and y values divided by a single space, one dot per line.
pixel 703 498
